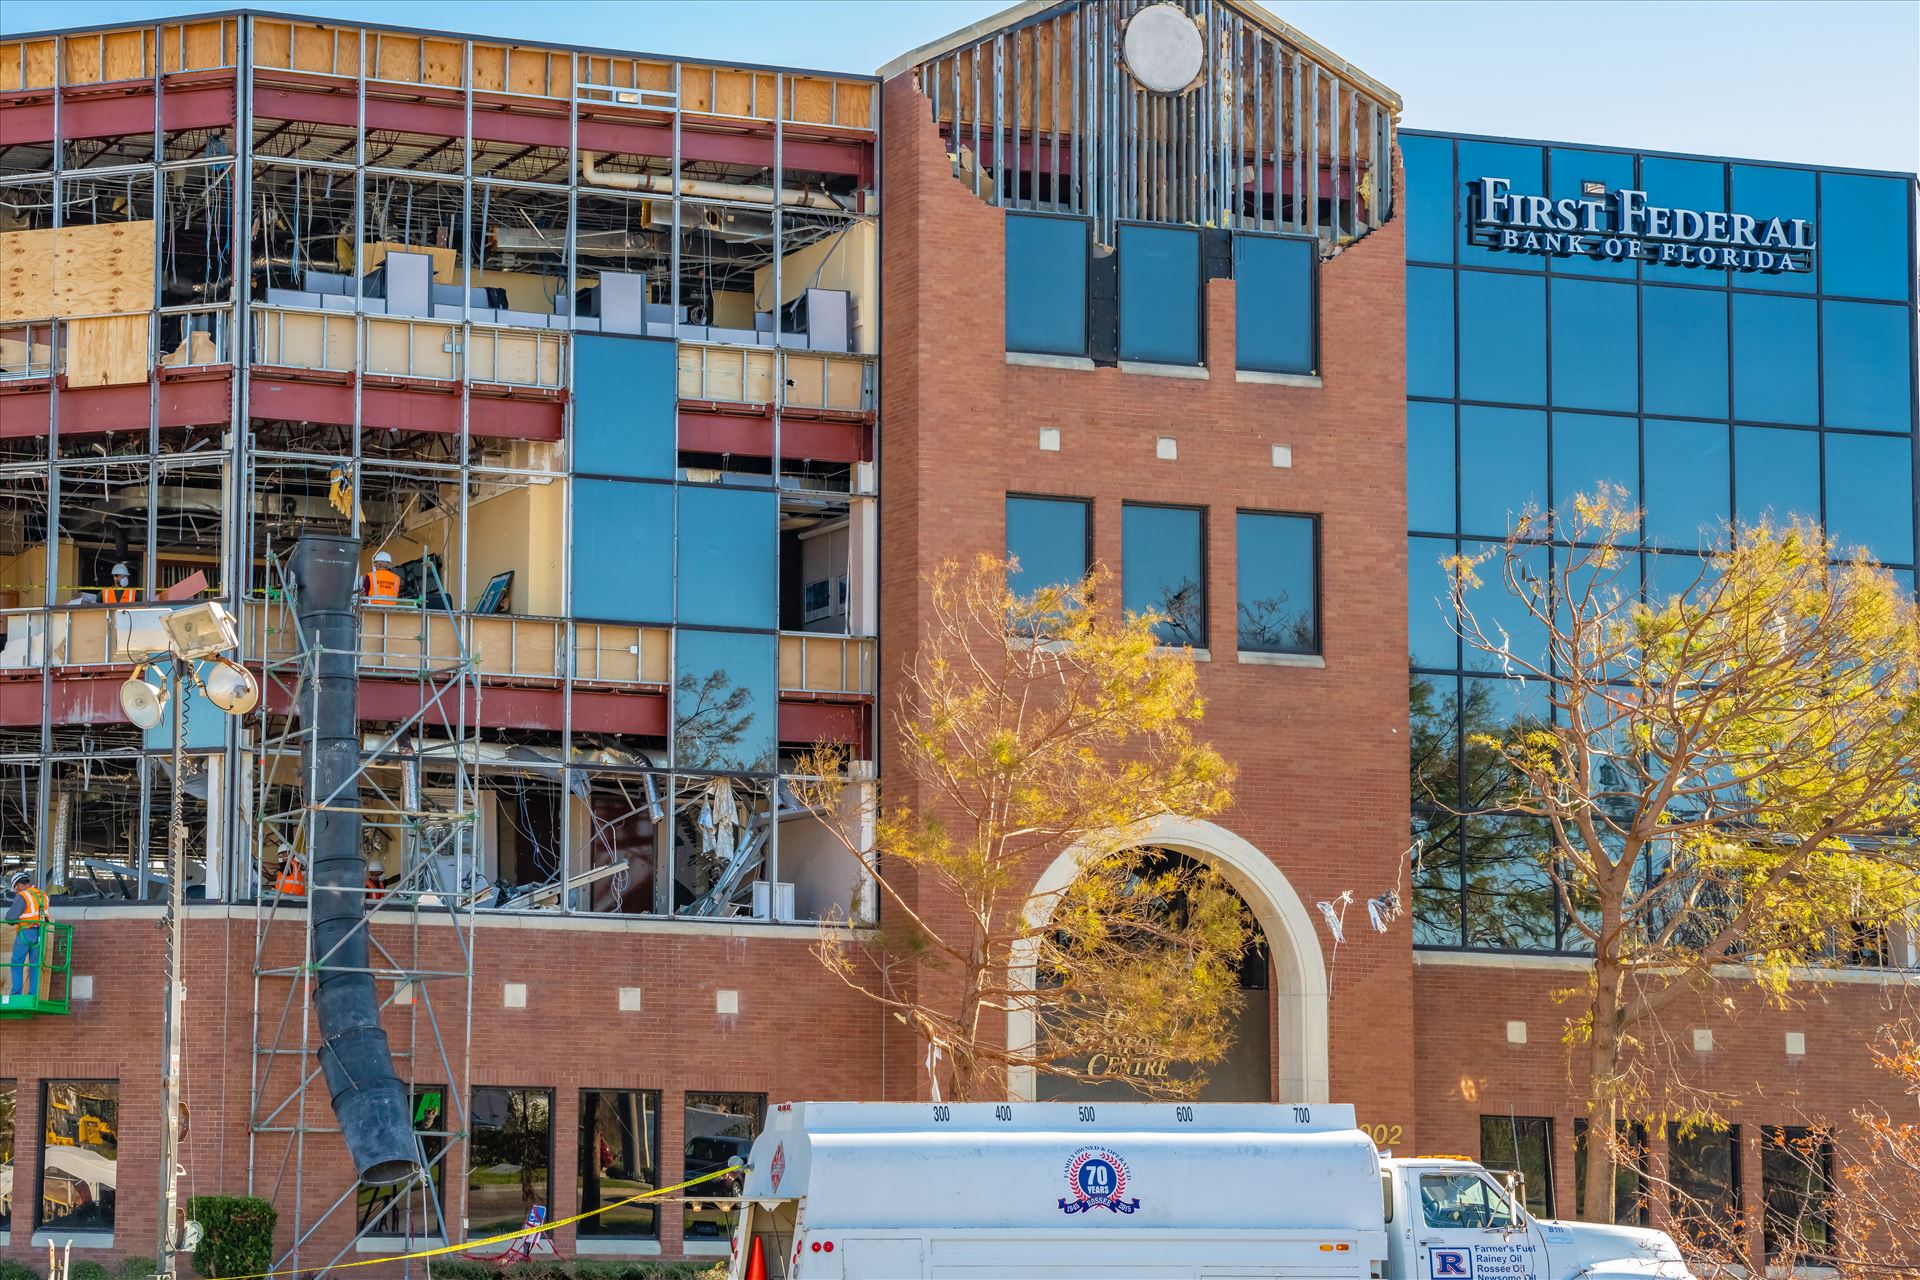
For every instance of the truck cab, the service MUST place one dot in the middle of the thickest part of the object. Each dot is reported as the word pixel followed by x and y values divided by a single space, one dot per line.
pixel 1450 1219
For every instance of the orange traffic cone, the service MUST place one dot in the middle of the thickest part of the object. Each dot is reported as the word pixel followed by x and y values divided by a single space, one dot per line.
pixel 756 1262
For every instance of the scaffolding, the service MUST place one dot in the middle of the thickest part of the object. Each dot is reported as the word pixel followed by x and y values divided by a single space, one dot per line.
pixel 419 927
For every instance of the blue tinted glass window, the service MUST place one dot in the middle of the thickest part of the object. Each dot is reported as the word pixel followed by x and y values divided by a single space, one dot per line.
pixel 1047 537
pixel 1160 295
pixel 1430 467
pixel 1436 881
pixel 1864 241
pixel 1510 897
pixel 1590 450
pixel 1507 628
pixel 625 406
pixel 637 584
pixel 1495 707
pixel 1431 641
pixel 1503 338
pixel 1684 184
pixel 1503 467
pixel 1273 303
pixel 1163 570
pixel 1870 495
pixel 1429 331
pixel 1596 345
pixel 1428 198
pixel 1570 168
pixel 1046 284
pixel 1774 345
pixel 1776 474
pixel 1867 351
pixel 1764 194
pixel 1684 352
pixel 725 707
pixel 1523 166
pixel 1686 484
pixel 727 545
pixel 1278 604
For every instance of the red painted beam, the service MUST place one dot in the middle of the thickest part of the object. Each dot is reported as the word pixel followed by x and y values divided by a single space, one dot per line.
pixel 184 402
pixel 303 400
pixel 805 723
pixel 826 440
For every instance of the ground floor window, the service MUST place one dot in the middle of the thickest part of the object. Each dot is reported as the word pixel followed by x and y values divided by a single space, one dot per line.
pixel 619 1158
pixel 404 1209
pixel 1522 1145
pixel 80 1155
pixel 510 1158
pixel 1629 1172
pixel 1796 1180
pixel 1703 1169
pixel 718 1127
pixel 9 1100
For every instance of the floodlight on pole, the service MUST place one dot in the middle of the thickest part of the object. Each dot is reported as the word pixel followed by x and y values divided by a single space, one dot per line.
pixel 194 632
pixel 143 701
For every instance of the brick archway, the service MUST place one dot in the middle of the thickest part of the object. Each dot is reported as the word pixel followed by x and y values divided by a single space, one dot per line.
pixel 1299 994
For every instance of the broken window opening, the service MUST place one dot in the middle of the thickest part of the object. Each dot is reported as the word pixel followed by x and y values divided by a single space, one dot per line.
pixel 623 251
pixel 819 876
pixel 196 244
pixel 829 282
pixel 722 844
pixel 816 540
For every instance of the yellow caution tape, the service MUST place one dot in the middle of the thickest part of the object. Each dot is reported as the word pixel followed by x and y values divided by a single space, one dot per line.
pixel 465 1245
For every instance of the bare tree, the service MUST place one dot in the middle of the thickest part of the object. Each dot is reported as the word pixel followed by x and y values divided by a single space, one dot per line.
pixel 1029 728
pixel 1723 781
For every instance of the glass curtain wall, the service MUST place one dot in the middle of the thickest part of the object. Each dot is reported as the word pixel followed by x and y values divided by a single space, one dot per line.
pixel 1709 394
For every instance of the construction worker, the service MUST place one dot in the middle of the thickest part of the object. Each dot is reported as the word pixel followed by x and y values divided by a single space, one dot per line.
pixel 382 586
pixel 291 881
pixel 121 592
pixel 376 882
pixel 26 912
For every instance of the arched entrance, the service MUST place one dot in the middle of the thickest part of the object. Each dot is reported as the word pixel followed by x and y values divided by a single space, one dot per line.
pixel 1298 994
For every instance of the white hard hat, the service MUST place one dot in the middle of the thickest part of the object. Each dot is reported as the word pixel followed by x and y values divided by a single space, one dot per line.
pixel 376 868
pixel 381 557
pixel 19 878
pixel 121 571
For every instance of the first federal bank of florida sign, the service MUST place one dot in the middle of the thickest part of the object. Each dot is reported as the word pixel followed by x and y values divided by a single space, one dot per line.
pixel 1621 226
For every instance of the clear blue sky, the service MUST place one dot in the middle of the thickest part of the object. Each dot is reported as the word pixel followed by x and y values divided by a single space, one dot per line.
pixel 1835 82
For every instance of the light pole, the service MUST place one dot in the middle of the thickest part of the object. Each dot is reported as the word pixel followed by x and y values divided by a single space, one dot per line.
pixel 187 636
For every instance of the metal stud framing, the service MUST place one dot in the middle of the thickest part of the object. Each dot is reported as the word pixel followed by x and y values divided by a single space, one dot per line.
pixel 1267 138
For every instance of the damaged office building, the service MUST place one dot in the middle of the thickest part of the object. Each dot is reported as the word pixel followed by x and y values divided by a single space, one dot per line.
pixel 573 359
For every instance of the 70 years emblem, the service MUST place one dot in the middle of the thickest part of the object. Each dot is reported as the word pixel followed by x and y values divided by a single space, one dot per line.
pixel 1097 1179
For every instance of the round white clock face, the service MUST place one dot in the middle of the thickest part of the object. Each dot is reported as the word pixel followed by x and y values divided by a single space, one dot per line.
pixel 1163 49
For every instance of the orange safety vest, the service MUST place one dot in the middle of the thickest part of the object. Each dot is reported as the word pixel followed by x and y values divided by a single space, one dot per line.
pixel 382 586
pixel 376 890
pixel 292 880
pixel 36 913
pixel 121 595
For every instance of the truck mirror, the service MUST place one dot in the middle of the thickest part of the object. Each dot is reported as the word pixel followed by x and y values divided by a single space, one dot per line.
pixel 1515 1198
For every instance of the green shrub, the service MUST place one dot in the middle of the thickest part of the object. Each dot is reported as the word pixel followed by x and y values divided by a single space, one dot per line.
pixel 17 1271
pixel 237 1234
pixel 461 1269
pixel 137 1268
pixel 537 1269
pixel 87 1269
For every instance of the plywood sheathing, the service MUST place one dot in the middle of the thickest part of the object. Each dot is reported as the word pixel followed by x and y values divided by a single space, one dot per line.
pixel 105 269
pixel 106 57
pixel 106 351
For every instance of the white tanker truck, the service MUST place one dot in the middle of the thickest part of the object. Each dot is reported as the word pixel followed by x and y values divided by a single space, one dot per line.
pixel 1140 1191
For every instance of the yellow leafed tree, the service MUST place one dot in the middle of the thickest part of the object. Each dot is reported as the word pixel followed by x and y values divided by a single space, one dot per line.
pixel 1029 727
pixel 1725 780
